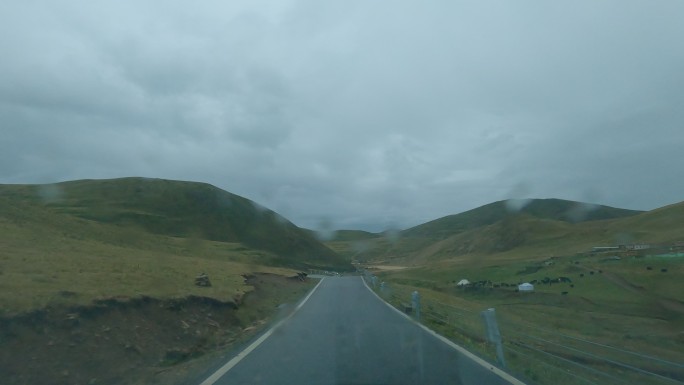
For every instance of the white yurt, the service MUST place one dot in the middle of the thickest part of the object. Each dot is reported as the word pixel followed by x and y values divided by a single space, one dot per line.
pixel 463 282
pixel 526 287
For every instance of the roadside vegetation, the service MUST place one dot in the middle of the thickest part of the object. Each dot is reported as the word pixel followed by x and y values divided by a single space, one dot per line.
pixel 590 310
pixel 97 285
pixel 622 304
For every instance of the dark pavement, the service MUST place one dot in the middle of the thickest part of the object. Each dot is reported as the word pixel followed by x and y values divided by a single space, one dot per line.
pixel 344 334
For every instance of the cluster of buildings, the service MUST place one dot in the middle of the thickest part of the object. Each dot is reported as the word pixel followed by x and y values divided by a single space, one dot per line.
pixel 639 249
pixel 633 247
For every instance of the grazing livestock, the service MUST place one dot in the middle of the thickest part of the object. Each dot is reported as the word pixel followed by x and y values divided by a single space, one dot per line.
pixel 202 280
pixel 564 293
pixel 582 275
pixel 663 270
pixel 649 268
pixel 572 285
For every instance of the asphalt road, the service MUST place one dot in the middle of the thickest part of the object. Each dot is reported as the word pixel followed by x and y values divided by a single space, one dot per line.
pixel 344 334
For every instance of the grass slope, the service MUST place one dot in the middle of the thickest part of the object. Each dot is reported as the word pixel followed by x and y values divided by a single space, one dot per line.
pixel 51 259
pixel 354 235
pixel 618 303
pixel 543 227
pixel 524 236
pixel 556 209
pixel 178 209
pixel 633 302
pixel 97 278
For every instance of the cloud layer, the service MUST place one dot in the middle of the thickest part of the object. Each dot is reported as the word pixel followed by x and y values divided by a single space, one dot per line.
pixel 356 114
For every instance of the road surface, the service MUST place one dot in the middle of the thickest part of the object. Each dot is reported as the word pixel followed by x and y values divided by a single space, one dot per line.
pixel 344 334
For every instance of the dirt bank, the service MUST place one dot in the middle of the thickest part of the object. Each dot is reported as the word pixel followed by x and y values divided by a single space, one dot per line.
pixel 134 340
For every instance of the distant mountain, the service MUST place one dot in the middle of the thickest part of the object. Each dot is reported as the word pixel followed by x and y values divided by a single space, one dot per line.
pixel 534 226
pixel 354 235
pixel 525 235
pixel 555 209
pixel 342 235
pixel 180 209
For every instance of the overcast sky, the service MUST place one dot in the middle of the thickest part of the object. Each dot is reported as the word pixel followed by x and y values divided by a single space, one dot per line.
pixel 351 114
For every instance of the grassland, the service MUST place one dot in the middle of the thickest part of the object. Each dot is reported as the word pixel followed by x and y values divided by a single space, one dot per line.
pixel 513 236
pixel 585 331
pixel 176 209
pixel 549 209
pixel 633 304
pixel 49 259
pixel 97 278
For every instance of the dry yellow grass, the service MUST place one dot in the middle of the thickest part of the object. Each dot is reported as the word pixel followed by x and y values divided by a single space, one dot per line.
pixel 52 265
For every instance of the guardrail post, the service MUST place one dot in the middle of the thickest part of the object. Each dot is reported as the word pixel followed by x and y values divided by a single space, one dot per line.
pixel 493 334
pixel 415 302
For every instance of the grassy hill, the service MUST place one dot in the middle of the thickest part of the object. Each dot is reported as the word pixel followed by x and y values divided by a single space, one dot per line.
pixel 354 235
pixel 90 299
pixel 72 242
pixel 555 209
pixel 492 228
pixel 177 209
pixel 626 299
pixel 524 235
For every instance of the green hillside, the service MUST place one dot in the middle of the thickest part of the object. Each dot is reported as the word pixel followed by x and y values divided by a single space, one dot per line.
pixel 354 235
pixel 620 298
pixel 556 209
pixel 100 283
pixel 543 227
pixel 178 209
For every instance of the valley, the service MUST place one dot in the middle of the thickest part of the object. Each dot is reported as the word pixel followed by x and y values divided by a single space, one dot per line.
pixel 107 271
pixel 613 282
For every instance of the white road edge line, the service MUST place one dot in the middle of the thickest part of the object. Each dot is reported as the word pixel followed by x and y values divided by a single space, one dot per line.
pixel 478 360
pixel 235 360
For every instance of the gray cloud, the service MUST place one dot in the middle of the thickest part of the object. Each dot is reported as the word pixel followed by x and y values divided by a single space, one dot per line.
pixel 356 114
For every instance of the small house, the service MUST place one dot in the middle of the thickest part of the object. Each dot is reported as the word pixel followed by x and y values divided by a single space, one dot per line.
pixel 526 287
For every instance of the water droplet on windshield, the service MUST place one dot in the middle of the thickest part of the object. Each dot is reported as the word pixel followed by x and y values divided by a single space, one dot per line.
pixel 515 205
pixel 50 193
pixel 324 230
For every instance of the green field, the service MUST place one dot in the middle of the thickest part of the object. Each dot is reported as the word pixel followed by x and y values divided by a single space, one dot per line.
pixel 97 278
pixel 586 331
pixel 77 244
pixel 51 256
pixel 622 304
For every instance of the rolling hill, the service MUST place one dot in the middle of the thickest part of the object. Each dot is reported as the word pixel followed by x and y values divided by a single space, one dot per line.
pixel 177 209
pixel 105 274
pixel 525 234
pixel 617 297
pixel 555 209
pixel 541 227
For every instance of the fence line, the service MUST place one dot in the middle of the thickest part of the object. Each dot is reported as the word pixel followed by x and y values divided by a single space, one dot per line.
pixel 613 362
pixel 626 366
pixel 549 365
pixel 640 355
pixel 593 370
pixel 452 318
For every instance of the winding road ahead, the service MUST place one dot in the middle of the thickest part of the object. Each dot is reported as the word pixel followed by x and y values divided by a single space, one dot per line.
pixel 344 334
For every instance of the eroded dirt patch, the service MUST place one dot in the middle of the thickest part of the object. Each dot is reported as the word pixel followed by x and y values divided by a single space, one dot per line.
pixel 138 340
